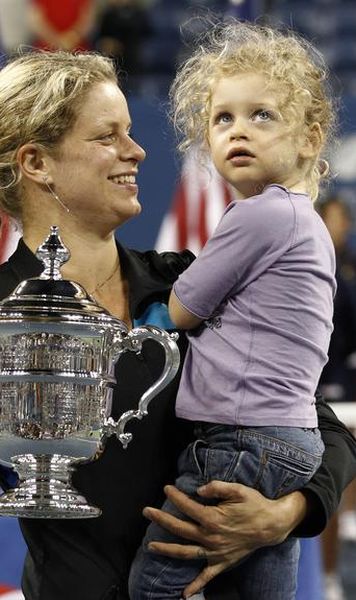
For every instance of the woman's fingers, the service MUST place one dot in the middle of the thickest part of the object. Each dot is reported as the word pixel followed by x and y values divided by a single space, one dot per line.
pixel 222 490
pixel 241 521
pixel 186 505
pixel 184 552
pixel 216 563
pixel 184 529
pixel 203 579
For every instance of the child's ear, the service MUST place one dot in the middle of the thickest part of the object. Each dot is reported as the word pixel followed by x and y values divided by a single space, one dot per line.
pixel 312 142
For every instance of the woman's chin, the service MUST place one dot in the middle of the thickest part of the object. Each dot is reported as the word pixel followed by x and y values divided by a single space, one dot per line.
pixel 130 211
pixel 138 207
pixel 135 209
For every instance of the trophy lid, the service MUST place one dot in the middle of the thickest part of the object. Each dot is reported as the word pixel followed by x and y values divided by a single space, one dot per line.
pixel 50 294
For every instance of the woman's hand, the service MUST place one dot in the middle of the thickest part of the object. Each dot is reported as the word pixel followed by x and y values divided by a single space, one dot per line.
pixel 243 521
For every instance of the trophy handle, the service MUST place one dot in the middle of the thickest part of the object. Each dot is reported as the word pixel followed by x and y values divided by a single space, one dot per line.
pixel 133 341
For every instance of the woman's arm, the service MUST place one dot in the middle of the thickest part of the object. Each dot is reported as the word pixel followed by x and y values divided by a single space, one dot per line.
pixel 338 468
pixel 244 520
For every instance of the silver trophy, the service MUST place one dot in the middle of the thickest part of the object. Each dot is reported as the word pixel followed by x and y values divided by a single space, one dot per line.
pixel 58 351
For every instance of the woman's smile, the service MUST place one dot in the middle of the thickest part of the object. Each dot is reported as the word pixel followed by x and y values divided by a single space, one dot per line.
pixel 101 148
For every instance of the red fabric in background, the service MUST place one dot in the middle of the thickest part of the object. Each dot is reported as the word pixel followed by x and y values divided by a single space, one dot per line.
pixel 4 234
pixel 62 15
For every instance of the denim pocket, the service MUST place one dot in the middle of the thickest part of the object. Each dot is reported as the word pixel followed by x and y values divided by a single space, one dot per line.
pixel 211 463
pixel 289 474
pixel 283 472
pixel 294 466
pixel 288 457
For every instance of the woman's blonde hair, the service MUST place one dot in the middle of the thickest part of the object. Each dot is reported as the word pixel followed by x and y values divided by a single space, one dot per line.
pixel 40 95
pixel 288 62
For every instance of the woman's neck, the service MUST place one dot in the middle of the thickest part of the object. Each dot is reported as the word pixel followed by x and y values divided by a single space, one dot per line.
pixel 93 258
pixel 95 265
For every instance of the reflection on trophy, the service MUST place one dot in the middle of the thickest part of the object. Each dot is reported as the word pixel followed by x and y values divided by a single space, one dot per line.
pixel 58 351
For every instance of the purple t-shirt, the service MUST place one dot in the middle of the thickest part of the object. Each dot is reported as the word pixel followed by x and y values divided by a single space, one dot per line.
pixel 264 285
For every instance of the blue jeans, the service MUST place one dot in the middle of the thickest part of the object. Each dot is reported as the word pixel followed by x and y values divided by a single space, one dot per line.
pixel 273 460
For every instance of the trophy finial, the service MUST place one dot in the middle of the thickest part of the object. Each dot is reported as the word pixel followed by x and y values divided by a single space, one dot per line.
pixel 53 253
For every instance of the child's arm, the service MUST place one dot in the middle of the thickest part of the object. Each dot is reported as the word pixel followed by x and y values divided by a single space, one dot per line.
pixel 250 237
pixel 181 317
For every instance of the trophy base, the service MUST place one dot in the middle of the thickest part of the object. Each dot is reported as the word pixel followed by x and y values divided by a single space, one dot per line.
pixel 44 491
pixel 50 504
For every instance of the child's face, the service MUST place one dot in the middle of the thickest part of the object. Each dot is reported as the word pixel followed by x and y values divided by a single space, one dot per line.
pixel 251 144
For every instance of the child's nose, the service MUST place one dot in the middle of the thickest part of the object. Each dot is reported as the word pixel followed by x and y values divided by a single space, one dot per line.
pixel 239 129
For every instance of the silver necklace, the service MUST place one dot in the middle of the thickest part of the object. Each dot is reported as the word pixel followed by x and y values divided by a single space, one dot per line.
pixel 101 285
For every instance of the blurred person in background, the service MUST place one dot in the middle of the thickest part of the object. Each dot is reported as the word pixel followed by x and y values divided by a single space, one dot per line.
pixel 14 27
pixel 64 25
pixel 122 27
pixel 337 381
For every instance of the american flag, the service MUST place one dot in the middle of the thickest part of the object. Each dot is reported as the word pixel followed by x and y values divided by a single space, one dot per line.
pixel 6 594
pixel 199 201
pixel 9 236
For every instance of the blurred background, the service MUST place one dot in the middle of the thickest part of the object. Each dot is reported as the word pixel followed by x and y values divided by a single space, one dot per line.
pixel 148 39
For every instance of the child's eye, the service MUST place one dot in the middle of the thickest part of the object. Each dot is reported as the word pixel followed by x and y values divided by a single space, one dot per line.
pixel 262 115
pixel 223 117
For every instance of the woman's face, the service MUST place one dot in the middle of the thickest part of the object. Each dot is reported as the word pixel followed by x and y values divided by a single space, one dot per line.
pixel 95 165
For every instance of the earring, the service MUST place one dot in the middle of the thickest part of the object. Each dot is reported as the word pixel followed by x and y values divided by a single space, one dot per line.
pixel 53 193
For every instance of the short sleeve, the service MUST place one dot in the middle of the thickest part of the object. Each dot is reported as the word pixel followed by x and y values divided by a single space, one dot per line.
pixel 250 237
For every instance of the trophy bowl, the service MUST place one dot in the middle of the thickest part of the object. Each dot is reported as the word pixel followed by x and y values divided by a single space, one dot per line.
pixel 58 350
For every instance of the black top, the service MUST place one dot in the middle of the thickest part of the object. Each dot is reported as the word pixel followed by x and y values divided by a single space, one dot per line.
pixel 96 553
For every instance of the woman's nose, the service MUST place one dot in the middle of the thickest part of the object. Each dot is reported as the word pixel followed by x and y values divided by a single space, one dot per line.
pixel 133 151
pixel 140 152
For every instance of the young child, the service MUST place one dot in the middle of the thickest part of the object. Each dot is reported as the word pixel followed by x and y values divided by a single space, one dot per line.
pixel 259 298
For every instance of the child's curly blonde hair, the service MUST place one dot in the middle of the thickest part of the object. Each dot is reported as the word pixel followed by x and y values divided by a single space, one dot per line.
pixel 289 62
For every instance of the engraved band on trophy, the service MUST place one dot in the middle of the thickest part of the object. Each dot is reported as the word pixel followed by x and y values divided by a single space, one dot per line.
pixel 58 350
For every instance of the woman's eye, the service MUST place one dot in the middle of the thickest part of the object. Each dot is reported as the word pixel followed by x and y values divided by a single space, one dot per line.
pixel 109 137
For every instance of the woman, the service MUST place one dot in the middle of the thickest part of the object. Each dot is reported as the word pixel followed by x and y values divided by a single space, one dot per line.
pixel 67 158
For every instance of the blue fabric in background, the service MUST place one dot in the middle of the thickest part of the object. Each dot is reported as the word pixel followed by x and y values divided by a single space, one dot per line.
pixel 155 314
pixel 12 552
pixel 310 582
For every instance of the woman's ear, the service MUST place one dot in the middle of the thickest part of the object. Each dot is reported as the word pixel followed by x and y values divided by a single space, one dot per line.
pixel 312 142
pixel 33 162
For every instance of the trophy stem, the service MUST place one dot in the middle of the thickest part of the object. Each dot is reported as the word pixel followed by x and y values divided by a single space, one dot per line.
pixel 44 491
